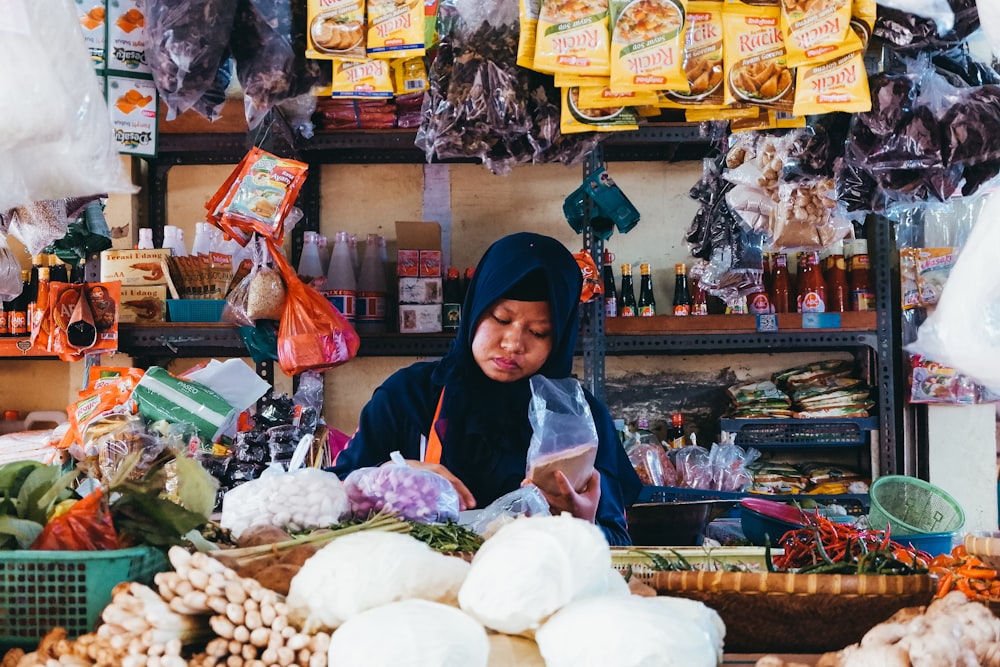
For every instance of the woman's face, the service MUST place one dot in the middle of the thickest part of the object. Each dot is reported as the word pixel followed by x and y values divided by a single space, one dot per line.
pixel 513 339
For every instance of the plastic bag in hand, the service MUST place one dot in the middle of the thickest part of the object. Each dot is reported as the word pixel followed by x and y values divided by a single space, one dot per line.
pixel 524 501
pixel 963 331
pixel 411 493
pixel 563 437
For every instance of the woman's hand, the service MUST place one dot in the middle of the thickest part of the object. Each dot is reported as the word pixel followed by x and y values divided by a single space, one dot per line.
pixel 581 504
pixel 465 499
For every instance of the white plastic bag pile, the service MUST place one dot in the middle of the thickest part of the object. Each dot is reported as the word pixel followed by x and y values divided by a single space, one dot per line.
pixel 57 140
pixel 540 592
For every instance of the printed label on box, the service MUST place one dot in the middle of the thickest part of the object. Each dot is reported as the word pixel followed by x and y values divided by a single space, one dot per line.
pixel 139 268
pixel 127 37
pixel 143 304
pixel 133 104
pixel 430 263
pixel 420 319
pixel 92 20
pixel 420 291
pixel 408 263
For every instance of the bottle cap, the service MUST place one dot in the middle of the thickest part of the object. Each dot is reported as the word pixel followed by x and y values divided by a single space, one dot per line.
pixel 11 415
pixel 677 419
pixel 627 269
pixel 608 256
pixel 644 268
pixel 452 273
pixel 309 237
pixel 680 269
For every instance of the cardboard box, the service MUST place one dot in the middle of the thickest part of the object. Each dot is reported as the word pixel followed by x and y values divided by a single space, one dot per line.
pixel 430 263
pixel 423 237
pixel 143 304
pixel 420 319
pixel 420 291
pixel 138 268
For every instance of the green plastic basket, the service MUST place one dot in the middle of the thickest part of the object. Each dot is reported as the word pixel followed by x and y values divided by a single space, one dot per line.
pixel 911 506
pixel 40 590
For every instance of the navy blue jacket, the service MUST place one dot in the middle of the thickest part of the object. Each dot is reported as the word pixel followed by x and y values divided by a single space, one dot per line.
pixel 483 426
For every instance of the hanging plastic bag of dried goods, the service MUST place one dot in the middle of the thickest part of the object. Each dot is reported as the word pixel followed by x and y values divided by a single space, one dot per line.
pixel 913 26
pixel 564 438
pixel 188 40
pixel 963 331
pixel 269 45
pixel 476 106
pixel 10 272
pixel 312 335
pixel 69 159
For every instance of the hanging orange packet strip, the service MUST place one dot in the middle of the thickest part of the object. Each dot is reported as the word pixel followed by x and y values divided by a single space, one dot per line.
pixel 757 68
pixel 266 188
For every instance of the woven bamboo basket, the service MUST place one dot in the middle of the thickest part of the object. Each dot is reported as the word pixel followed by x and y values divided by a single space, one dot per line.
pixel 780 612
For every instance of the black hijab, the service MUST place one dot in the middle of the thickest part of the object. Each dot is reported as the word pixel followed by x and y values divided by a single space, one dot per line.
pixel 473 403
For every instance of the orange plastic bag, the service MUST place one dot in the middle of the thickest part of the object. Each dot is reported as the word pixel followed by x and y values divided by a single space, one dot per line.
pixel 86 526
pixel 312 333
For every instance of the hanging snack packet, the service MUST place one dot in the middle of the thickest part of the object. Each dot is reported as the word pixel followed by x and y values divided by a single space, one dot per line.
pixel 528 33
pixel 817 31
pixel 576 118
pixel 336 30
pixel 647 45
pixel 703 65
pixel 263 194
pixel 602 97
pixel 395 29
pixel 370 78
pixel 757 68
pixel 840 84
pixel 573 37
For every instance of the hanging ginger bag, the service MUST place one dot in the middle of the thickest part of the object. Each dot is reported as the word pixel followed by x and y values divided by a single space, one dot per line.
pixel 312 334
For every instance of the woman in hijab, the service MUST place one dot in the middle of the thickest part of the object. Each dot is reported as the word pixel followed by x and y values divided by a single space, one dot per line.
pixel 466 416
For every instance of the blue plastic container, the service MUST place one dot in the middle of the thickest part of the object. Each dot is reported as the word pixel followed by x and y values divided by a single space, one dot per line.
pixel 758 528
pixel 933 543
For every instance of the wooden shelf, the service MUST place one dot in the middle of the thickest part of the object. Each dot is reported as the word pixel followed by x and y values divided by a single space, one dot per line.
pixel 19 347
pixel 728 324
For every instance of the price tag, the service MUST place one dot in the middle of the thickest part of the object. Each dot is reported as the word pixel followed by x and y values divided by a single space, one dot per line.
pixel 820 320
pixel 767 322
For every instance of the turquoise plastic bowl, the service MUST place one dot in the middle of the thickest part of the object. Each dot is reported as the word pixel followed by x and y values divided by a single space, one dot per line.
pixel 758 528
pixel 933 543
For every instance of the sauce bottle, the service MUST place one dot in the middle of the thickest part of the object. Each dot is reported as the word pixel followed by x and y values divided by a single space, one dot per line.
pixel 812 288
pixel 610 291
pixel 781 288
pixel 629 306
pixel 835 276
pixel 647 303
pixel 862 296
pixel 17 317
pixel 675 433
pixel 682 292
pixel 451 308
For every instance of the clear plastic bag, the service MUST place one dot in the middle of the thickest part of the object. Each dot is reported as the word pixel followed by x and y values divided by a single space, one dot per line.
pixel 564 437
pixel 188 43
pixel 525 501
pixel 963 331
pixel 411 493
pixel 653 465
pixel 83 160
pixel 10 272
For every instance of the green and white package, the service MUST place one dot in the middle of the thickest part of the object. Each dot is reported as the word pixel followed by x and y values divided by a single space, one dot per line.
pixel 160 395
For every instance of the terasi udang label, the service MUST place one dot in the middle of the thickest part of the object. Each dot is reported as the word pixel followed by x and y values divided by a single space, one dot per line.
pixel 647 45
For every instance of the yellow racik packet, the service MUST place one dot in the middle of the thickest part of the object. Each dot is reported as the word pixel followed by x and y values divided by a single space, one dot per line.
pixel 371 78
pixel 527 32
pixel 757 68
pixel 574 118
pixel 573 36
pixel 395 28
pixel 703 64
pixel 647 45
pixel 817 30
pixel 838 85
pixel 336 29
pixel 602 97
